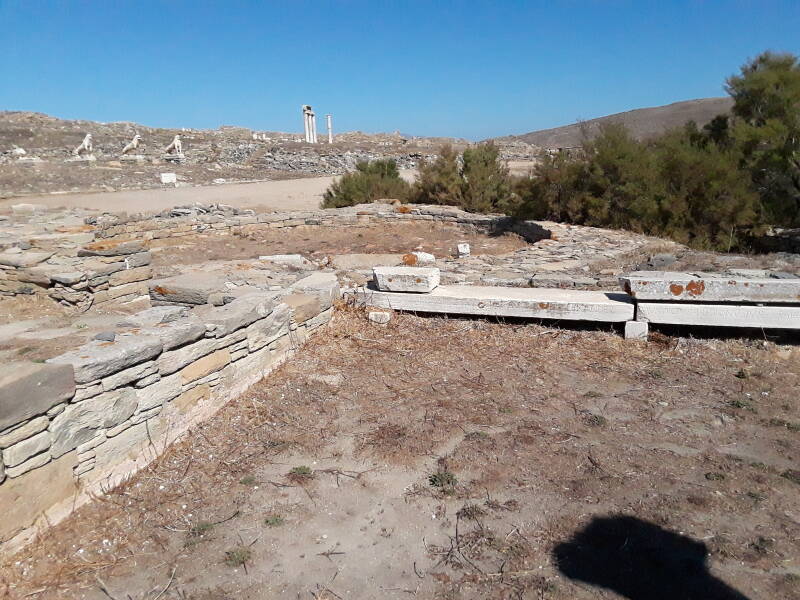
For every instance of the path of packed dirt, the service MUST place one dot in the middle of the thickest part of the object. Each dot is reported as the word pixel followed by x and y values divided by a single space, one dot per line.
pixel 437 458
pixel 284 195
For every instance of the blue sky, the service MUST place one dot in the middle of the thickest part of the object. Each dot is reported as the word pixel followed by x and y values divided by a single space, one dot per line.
pixel 468 69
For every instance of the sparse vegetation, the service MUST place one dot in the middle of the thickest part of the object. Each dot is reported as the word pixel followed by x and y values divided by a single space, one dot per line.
pixel 238 557
pixel 370 181
pixel 443 480
pixel 274 521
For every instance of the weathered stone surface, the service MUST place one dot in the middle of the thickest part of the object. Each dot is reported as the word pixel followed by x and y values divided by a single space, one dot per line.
pixel 266 330
pixel 298 261
pixel 174 360
pixel 205 366
pixel 100 359
pixel 709 287
pixel 138 259
pixel 22 451
pixel 347 262
pixel 189 288
pixel 323 285
pixel 23 259
pixel 31 428
pixel 463 250
pixel 159 393
pixel 32 463
pixel 112 248
pixel 154 316
pixel 128 445
pixel 24 499
pixel 130 275
pixel 178 333
pixel 128 289
pixel 80 422
pixel 719 315
pixel 406 279
pixel 188 400
pixel 303 306
pixel 636 330
pixel 380 317
pixel 239 313
pixel 423 258
pixel 129 375
pixel 577 305
pixel 31 389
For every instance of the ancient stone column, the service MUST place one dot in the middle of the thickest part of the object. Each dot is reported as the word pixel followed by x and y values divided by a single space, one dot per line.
pixel 329 120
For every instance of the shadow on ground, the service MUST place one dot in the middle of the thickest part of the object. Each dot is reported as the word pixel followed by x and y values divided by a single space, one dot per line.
pixel 641 561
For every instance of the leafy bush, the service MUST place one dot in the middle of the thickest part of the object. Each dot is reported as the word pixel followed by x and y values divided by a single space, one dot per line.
pixel 479 182
pixel 369 182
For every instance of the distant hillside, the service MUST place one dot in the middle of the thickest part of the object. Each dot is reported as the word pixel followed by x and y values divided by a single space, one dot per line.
pixel 642 122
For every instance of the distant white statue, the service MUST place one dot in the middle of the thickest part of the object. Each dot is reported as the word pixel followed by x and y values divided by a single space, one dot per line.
pixel 85 147
pixel 133 144
pixel 175 147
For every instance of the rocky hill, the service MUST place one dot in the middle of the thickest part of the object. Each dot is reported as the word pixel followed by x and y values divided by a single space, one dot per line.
pixel 642 122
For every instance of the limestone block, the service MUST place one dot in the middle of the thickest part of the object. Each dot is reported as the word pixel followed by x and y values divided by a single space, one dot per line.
pixel 139 259
pixel 97 359
pixel 240 313
pixel 189 288
pixel 205 366
pixel 130 276
pixel 303 307
pixel 23 259
pixel 154 316
pixel 463 250
pixel 39 460
pixel 320 319
pixel 636 330
pixel 424 258
pixel 298 261
pixel 178 333
pixel 112 248
pixel 129 445
pixel 85 391
pixel 23 432
pixel 265 331
pixel 576 305
pixel 129 375
pixel 720 315
pixel 174 360
pixel 159 393
pixel 22 451
pixel 709 287
pixel 146 381
pixel 323 285
pixel 189 399
pixel 23 499
pixel 352 262
pixel 80 422
pixel 31 389
pixel 406 279
pixel 112 293
pixel 379 317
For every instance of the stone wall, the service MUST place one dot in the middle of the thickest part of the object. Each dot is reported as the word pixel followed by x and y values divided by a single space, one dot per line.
pixel 82 421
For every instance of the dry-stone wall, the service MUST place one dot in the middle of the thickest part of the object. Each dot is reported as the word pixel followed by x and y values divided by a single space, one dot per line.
pixel 84 419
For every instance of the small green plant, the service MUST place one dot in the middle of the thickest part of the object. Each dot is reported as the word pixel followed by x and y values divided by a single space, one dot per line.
pixel 593 420
pixel 442 479
pixel 742 374
pixel 592 394
pixel 248 480
pixel 756 496
pixel 301 473
pixel 238 557
pixel 200 529
pixel 739 403
pixel 369 182
pixel 792 475
pixel 274 521
pixel 715 476
pixel 471 511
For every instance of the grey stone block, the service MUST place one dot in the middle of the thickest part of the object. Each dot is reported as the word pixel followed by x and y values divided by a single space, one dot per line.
pixel 31 389
pixel 324 286
pixel 239 313
pixel 406 279
pixel 154 316
pixel 22 451
pixel 29 429
pixel 96 359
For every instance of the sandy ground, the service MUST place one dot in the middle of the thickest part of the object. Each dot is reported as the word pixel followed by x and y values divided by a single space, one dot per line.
pixel 462 459
pixel 284 195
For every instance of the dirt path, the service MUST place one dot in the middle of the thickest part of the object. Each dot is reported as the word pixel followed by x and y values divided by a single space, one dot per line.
pixel 287 194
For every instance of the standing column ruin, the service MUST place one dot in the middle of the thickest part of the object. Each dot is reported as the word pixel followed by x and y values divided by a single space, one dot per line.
pixel 309 124
pixel 329 121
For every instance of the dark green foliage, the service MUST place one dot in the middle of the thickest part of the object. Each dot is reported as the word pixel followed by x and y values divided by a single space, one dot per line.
pixel 369 182
pixel 766 98
pixel 479 184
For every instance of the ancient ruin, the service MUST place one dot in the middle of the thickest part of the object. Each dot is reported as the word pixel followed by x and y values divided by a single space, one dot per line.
pixel 309 124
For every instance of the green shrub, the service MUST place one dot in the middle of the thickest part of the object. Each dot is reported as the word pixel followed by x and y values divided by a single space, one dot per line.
pixel 440 181
pixel 369 182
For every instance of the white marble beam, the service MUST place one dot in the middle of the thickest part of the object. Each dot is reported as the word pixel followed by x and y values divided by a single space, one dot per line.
pixel 542 303
pixel 719 315
pixel 709 287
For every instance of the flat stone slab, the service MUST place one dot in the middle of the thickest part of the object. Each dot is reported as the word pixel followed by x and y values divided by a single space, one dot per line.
pixel 719 315
pixel 28 389
pixel 98 359
pixel 537 303
pixel 406 279
pixel 709 287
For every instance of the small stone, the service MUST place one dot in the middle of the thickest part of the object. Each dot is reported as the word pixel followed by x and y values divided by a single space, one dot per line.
pixel 379 317
pixel 463 250
pixel 424 258
pixel 636 330
pixel 406 279
pixel 106 336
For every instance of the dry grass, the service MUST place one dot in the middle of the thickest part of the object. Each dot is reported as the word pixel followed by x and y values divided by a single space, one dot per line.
pixel 539 427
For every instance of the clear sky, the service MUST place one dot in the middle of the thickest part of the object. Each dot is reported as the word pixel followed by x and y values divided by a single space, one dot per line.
pixel 466 69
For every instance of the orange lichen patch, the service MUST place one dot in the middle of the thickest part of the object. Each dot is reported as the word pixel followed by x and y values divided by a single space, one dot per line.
pixel 403 209
pixel 244 267
pixel 409 259
pixel 676 289
pixel 418 280
pixel 544 305
pixel 163 291
pixel 78 229
pixel 104 244
pixel 696 288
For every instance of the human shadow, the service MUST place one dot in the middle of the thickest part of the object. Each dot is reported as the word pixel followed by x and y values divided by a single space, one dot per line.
pixel 641 561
